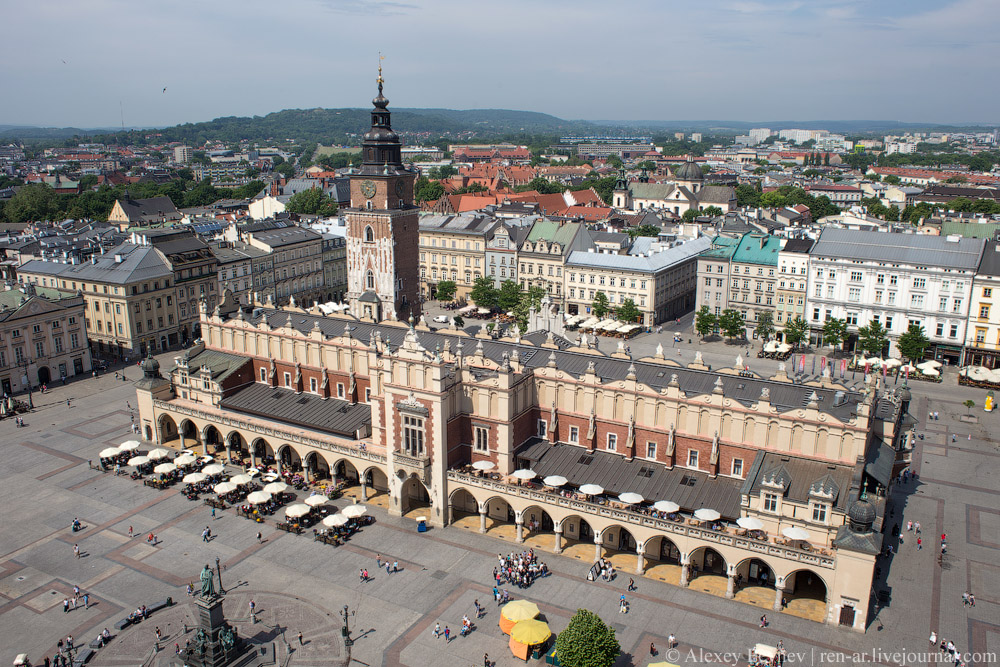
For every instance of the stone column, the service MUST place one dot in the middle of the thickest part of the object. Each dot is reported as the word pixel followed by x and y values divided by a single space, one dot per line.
pixel 277 462
pixel 519 522
pixel 253 459
pixel 482 519
pixel 229 453
pixel 779 592
pixel 364 489
pixel 685 563
pixel 640 560
pixel 731 582
pixel 180 433
pixel 558 544
pixel 598 543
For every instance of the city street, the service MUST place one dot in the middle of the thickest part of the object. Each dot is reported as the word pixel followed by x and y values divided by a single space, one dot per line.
pixel 300 585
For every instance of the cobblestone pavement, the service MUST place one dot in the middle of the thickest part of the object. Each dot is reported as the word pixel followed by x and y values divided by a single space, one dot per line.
pixel 300 585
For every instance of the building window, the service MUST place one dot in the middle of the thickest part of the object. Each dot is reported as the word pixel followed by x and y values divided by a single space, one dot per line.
pixel 953 331
pixel 819 512
pixel 482 442
pixel 369 234
pixel 574 434
pixel 542 428
pixel 413 435
pixel 312 384
pixel 263 375
pixel 340 390
pixel 612 441
pixel 939 331
pixel 770 502
pixel 737 467
pixel 58 342
pixel 288 380
pixel 370 280
pixel 650 450
pixel 987 292
pixel 984 312
pixel 368 395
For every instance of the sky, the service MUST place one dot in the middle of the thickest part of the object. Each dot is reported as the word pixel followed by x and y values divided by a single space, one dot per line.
pixel 85 64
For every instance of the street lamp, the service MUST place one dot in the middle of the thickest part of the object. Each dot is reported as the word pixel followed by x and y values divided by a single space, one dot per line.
pixel 345 631
pixel 25 362
pixel 218 568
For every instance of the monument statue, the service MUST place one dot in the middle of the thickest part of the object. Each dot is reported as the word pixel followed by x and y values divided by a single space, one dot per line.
pixel 207 583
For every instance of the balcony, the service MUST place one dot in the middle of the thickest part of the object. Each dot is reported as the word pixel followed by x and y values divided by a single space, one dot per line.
pixel 683 525
pixel 415 465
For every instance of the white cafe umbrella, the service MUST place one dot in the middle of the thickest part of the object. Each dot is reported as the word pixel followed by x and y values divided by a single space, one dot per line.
pixel 109 452
pixel 253 472
pixel 223 488
pixel 706 514
pixel 335 520
pixel 297 510
pixel 892 363
pixel 194 477
pixel 784 347
pixel 158 454
pixel 129 446
pixel 554 480
pixel 185 460
pixel 666 506
pixel 276 487
pixel 258 497
pixel 354 511
pixel 631 498
pixel 907 368
pixel 204 459
pixel 930 362
pixel 484 465
pixel 270 477
pixel 213 469
pixel 771 346
pixel 164 468
pixel 873 361
pixel 795 533
pixel 524 474
pixel 750 523
pixel 317 500
pixel 592 489
pixel 931 372
pixel 138 460
pixel 240 479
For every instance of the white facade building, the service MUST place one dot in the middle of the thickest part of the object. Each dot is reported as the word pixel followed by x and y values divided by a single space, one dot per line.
pixel 895 279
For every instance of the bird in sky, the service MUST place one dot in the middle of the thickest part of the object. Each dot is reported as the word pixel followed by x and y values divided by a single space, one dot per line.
pixel 164 89
pixel 64 62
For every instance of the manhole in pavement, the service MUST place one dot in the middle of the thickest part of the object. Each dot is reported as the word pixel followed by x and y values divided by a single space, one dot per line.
pixel 439 574
pixel 20 578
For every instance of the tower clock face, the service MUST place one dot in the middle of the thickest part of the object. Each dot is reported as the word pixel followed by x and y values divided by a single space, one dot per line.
pixel 399 188
pixel 368 189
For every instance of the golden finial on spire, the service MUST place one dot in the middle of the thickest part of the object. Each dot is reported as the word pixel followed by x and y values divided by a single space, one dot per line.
pixel 380 59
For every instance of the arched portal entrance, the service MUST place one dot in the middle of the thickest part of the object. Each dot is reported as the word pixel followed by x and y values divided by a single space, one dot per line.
pixel 44 375
pixel 619 547
pixel 805 595
pixel 289 460
pixel 754 583
pixel 464 510
pixel 261 453
pixel 538 528
pixel 317 467
pixel 577 538
pixel 663 560
pixel 375 487
pixel 413 497
pixel 189 435
pixel 238 449
pixel 167 432
pixel 344 471
pixel 708 571
pixel 213 440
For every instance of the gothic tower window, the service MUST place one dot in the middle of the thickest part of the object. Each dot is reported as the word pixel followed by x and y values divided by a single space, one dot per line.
pixel 369 234
pixel 370 280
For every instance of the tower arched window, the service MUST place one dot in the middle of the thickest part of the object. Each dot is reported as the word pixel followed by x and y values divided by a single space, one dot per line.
pixel 369 234
pixel 368 205
pixel 370 279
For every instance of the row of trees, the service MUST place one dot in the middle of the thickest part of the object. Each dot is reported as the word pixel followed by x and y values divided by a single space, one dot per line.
pixel 627 312
pixel 786 195
pixel 40 202
pixel 509 297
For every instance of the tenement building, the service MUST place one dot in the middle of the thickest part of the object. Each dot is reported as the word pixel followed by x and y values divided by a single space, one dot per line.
pixel 764 490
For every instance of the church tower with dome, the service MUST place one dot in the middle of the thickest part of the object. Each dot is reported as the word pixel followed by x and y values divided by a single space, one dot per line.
pixel 383 261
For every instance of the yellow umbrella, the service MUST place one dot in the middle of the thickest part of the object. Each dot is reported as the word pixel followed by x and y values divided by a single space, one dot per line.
pixel 530 632
pixel 519 610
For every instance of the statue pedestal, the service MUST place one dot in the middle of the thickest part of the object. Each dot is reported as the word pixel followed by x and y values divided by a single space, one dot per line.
pixel 214 643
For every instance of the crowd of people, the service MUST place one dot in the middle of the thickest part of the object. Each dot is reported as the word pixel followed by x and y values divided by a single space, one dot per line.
pixel 519 569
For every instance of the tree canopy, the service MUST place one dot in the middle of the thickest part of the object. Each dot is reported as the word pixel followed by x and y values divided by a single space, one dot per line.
pixel 873 338
pixel 484 293
pixel 732 323
pixel 446 290
pixel 913 342
pixel 705 321
pixel 601 305
pixel 765 325
pixel 313 202
pixel 628 312
pixel 796 331
pixel 587 642
pixel 835 331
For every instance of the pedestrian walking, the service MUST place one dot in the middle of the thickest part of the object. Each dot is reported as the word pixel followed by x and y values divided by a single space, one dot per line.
pixel 86 600
pixel 671 641
pixel 972 600
pixel 479 609
pixel 300 639
pixel 631 584
pixel 76 550
pixel 361 574
pixel 395 566
pixel 72 603
pixel 763 621
pixel 652 649
pixel 130 533
pixel 65 605
pixel 159 635
pixel 447 634
pixel 388 568
pixel 259 537
pixel 916 527
pixel 213 512
pixel 486 660
pixel 190 590
pixel 437 630
pixel 378 561
pixel 909 526
pixel 920 544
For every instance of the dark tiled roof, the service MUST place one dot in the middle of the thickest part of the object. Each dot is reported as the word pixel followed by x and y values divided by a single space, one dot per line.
pixel 879 462
pixel 690 489
pixel 308 410
pixel 800 476
pixel 220 364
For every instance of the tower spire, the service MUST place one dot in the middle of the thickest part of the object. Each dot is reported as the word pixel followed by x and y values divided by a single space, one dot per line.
pixel 379 80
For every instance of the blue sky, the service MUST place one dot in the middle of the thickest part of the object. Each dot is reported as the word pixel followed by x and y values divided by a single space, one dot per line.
pixel 70 63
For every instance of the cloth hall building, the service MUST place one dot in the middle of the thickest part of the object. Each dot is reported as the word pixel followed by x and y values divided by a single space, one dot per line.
pixel 434 423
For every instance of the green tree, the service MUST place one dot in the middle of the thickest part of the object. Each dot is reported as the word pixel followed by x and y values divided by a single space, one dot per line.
pixel 835 331
pixel 747 195
pixel 628 312
pixel 892 213
pixel 444 171
pixel 471 188
pixel 796 332
pixel 732 323
pixel 773 199
pixel 969 404
pixel 484 293
pixel 713 211
pixel 541 186
pixel 509 296
pixel 531 298
pixel 644 230
pixel 312 201
pixel 427 190
pixel 705 322
pixel 873 338
pixel 811 173
pixel 690 215
pixel 765 325
pixel 587 642
pixel 913 342
pixel 286 169
pixel 600 306
pixel 648 165
pixel 31 203
pixel 615 161
pixel 892 179
pixel 446 290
